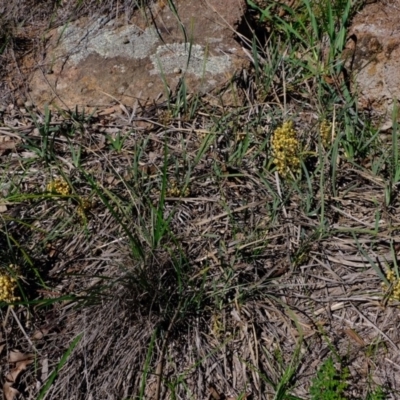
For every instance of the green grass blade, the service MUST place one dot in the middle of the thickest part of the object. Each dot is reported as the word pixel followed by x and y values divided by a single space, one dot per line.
pixel 44 391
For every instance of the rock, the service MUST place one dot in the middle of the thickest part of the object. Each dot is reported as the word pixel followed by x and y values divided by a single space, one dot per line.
pixel 95 62
pixel 373 55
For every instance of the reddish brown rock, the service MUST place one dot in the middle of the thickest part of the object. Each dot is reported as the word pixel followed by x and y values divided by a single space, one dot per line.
pixel 374 58
pixel 94 62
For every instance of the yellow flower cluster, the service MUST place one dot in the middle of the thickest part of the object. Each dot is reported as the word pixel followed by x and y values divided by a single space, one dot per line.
pixel 84 206
pixel 165 117
pixel 8 285
pixel 217 324
pixel 174 191
pixel 285 147
pixel 325 130
pixel 391 277
pixel 59 186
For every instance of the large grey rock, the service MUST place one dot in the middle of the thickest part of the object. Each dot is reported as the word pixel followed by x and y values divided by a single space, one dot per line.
pixel 373 55
pixel 91 62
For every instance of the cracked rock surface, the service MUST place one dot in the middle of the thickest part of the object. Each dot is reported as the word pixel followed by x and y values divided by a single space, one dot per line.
pixel 92 62
pixel 373 55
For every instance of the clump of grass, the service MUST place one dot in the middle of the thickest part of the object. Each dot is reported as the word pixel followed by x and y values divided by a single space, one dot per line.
pixel 329 383
pixel 377 394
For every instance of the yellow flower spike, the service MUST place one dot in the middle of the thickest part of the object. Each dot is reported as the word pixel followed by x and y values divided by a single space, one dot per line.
pixel 174 191
pixel 325 130
pixel 286 149
pixel 8 285
pixel 390 276
pixel 395 285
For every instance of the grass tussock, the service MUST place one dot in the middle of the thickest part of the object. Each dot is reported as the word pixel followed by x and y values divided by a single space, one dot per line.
pixel 198 249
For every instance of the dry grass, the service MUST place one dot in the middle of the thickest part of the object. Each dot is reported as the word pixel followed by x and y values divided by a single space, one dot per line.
pixel 239 285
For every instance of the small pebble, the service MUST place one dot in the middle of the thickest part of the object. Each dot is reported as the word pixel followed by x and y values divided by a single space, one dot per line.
pixel 177 70
pixel 20 102
pixel 121 90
